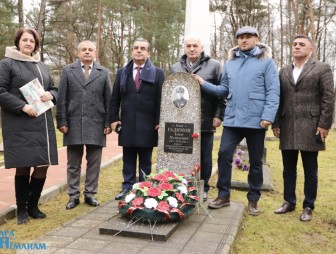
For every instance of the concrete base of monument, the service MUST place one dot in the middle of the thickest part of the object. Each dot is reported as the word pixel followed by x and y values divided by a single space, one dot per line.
pixel 120 226
pixel 267 184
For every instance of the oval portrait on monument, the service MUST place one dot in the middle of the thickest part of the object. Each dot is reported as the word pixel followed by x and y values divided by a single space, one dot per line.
pixel 180 96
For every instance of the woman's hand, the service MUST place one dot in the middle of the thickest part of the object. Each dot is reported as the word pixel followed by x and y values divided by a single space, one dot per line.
pixel 47 96
pixel 29 110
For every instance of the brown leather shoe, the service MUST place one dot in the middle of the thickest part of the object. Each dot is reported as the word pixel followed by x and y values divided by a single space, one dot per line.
pixel 253 208
pixel 306 215
pixel 285 208
pixel 219 203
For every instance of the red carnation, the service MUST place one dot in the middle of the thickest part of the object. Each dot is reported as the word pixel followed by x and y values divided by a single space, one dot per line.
pixel 166 186
pixel 169 174
pixel 197 167
pixel 142 185
pixel 154 192
pixel 137 202
pixel 179 197
pixel 163 206
pixel 195 135
pixel 161 178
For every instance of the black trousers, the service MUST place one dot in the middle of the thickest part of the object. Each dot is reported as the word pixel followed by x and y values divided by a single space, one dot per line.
pixel 310 167
pixel 130 155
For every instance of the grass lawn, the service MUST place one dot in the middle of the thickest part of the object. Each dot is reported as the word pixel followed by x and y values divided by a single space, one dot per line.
pixel 266 233
pixel 271 233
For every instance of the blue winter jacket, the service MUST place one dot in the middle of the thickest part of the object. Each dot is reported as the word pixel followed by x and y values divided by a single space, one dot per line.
pixel 250 83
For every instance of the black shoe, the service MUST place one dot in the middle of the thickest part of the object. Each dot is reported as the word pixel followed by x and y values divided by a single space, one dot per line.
pixel 73 202
pixel 91 201
pixel 122 194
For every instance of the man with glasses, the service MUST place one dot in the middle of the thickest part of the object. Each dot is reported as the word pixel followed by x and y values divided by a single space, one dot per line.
pixel 135 111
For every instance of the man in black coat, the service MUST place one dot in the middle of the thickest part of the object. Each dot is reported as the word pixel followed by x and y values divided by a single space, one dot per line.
pixel 195 61
pixel 135 106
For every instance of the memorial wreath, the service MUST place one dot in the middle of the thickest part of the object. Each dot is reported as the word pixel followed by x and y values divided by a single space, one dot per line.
pixel 165 196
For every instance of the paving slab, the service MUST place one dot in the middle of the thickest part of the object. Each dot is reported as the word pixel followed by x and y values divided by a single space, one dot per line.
pixel 205 231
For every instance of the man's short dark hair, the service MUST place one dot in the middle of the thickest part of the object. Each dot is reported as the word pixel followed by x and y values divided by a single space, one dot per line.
pixel 304 37
pixel 18 34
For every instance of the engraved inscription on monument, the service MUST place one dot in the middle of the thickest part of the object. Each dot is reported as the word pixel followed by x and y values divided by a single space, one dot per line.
pixel 178 138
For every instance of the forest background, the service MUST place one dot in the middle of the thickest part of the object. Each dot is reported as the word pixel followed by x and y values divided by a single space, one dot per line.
pixel 114 24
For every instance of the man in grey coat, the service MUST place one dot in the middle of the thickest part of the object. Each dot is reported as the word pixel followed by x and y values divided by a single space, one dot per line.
pixel 82 115
pixel 304 118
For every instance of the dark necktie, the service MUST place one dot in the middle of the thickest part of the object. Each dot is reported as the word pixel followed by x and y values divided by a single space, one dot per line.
pixel 137 78
pixel 86 71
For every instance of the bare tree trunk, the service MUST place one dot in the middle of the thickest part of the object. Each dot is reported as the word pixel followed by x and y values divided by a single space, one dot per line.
pixel 41 17
pixel 99 31
pixel 312 27
pixel 269 25
pixel 20 10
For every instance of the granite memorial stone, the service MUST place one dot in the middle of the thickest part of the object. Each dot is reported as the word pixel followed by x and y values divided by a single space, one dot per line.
pixel 179 132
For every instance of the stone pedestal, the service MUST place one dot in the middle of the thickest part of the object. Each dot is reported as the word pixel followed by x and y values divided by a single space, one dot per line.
pixel 120 226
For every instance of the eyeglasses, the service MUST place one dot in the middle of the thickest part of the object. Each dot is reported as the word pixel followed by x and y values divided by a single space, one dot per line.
pixel 141 48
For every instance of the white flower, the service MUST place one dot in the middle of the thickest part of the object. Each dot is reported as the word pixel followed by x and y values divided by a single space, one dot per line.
pixel 129 197
pixel 183 189
pixel 172 201
pixel 184 181
pixel 151 203
pixel 135 186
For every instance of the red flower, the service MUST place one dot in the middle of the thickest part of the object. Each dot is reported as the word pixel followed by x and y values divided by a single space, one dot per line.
pixel 197 167
pixel 142 185
pixel 161 178
pixel 137 202
pixel 195 135
pixel 192 188
pixel 166 186
pixel 163 206
pixel 169 174
pixel 154 192
pixel 179 197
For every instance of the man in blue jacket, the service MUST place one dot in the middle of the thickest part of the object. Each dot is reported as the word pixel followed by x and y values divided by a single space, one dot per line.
pixel 251 86
pixel 135 106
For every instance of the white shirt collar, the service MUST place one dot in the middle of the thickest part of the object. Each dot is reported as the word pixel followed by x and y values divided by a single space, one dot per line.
pixel 91 66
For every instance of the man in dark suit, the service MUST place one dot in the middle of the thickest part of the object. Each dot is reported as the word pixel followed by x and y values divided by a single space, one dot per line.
pixel 83 117
pixel 304 118
pixel 135 105
pixel 180 101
